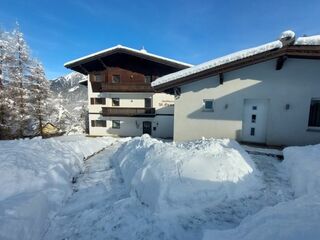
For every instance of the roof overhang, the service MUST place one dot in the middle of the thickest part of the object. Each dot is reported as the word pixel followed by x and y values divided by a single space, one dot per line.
pixel 293 51
pixel 82 65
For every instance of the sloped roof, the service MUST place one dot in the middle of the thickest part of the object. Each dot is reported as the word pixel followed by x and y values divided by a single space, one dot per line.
pixel 119 48
pixel 287 45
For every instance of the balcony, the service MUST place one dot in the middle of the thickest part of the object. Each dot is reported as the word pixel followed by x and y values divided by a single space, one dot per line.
pixel 121 87
pixel 128 112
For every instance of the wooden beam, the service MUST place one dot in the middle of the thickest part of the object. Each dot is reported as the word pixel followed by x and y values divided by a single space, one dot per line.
pixel 84 69
pixel 103 64
pixel 280 62
pixel 221 78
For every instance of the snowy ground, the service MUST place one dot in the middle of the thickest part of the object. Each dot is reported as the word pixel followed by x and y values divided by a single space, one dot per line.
pixel 143 188
pixel 101 206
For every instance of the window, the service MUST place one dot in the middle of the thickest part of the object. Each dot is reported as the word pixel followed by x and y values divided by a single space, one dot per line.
pixel 253 118
pixel 115 102
pixel 314 115
pixel 115 78
pixel 98 101
pixel 98 123
pixel 97 77
pixel 254 107
pixel 252 131
pixel 208 105
pixel 147 103
pixel 147 78
pixel 116 124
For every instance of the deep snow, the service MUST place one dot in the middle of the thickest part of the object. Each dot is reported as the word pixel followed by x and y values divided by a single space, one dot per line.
pixel 148 189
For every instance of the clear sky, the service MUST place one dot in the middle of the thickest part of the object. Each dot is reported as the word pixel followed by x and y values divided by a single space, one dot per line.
pixel 191 31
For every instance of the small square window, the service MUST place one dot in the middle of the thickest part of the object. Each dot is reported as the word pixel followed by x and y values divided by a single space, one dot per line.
pixel 208 105
pixel 115 102
pixel 147 79
pixel 254 107
pixel 116 124
pixel 98 77
pixel 252 131
pixel 253 118
pixel 115 78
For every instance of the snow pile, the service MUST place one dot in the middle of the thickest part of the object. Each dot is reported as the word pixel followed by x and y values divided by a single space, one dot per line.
pixel 287 35
pixel 35 177
pixel 167 177
pixel 303 166
pixel 312 40
pixel 293 220
pixel 218 62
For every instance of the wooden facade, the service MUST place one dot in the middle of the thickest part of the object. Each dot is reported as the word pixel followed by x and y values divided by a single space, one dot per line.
pixel 128 112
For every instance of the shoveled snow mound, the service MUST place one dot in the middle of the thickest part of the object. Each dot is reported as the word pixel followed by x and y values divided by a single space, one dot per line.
pixel 168 176
pixel 295 220
pixel 35 177
pixel 303 166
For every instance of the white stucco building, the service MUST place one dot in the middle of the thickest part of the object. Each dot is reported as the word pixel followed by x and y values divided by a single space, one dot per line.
pixel 269 94
pixel 121 100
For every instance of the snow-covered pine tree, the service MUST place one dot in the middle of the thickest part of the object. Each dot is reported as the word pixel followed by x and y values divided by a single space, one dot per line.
pixel 40 95
pixel 19 72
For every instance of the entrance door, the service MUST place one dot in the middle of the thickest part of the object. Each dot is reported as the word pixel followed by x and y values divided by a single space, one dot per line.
pixel 147 127
pixel 254 126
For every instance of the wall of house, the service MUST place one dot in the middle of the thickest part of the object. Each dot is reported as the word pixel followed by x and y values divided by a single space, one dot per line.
pixel 162 126
pixel 295 84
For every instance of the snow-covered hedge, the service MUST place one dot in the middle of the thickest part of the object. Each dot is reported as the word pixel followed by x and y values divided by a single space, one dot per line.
pixel 303 166
pixel 35 178
pixel 168 176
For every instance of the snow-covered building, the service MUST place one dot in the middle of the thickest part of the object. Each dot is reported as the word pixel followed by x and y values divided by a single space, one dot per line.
pixel 268 94
pixel 121 99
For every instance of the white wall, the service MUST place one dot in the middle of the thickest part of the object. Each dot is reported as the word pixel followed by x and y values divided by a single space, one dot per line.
pixel 295 84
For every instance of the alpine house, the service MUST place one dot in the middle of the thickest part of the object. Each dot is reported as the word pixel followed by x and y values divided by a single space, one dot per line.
pixel 268 94
pixel 121 99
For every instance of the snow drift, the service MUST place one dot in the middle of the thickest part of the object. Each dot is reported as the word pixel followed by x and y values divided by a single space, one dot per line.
pixel 35 177
pixel 168 176
pixel 303 167
pixel 293 220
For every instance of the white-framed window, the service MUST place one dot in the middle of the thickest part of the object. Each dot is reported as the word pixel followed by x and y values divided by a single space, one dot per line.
pixel 98 123
pixel 208 105
pixel 116 124
pixel 98 101
pixel 314 113
pixel 116 102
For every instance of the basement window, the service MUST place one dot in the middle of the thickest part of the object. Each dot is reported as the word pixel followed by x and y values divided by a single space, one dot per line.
pixel 116 124
pixel 98 101
pixel 116 102
pixel 115 78
pixel 314 114
pixel 208 105
pixel 98 123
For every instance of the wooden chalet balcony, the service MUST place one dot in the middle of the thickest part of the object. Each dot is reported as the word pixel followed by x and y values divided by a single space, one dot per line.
pixel 121 87
pixel 128 112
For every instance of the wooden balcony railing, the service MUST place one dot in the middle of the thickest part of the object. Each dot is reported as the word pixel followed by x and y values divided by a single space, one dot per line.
pixel 128 112
pixel 121 87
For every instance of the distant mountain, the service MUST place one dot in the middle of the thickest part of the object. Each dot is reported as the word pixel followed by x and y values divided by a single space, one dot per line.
pixel 71 101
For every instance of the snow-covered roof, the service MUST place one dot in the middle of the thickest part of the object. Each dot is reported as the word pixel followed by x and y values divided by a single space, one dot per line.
pixel 218 62
pixel 142 53
pixel 278 44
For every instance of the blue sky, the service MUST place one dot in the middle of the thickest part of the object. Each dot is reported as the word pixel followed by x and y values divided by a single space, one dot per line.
pixel 192 31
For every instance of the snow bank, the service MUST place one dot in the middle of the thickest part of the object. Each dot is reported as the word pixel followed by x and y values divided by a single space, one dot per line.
pixel 303 166
pixel 35 177
pixel 295 220
pixel 168 176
